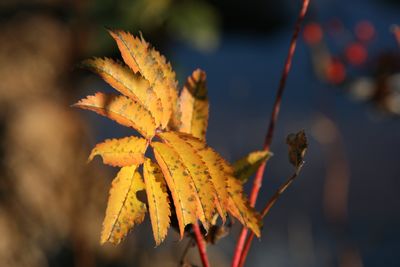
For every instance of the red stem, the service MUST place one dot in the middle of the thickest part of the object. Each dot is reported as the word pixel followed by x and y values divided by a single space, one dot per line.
pixel 264 212
pixel 201 244
pixel 268 138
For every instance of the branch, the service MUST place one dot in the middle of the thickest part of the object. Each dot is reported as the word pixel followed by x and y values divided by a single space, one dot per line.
pixel 271 202
pixel 185 252
pixel 201 245
pixel 268 138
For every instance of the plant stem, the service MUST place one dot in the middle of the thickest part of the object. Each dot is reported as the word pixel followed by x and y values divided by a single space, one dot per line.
pixel 201 244
pixel 268 138
pixel 185 251
pixel 264 212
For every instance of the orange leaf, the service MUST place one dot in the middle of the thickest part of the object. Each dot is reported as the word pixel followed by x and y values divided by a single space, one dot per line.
pixel 140 57
pixel 179 183
pixel 238 203
pixel 128 83
pixel 232 195
pixel 170 80
pixel 121 152
pixel 128 45
pixel 193 105
pixel 157 198
pixel 124 210
pixel 121 109
pixel 213 163
pixel 198 172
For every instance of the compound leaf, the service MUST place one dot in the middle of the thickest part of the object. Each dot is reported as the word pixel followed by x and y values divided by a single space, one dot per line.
pixel 200 181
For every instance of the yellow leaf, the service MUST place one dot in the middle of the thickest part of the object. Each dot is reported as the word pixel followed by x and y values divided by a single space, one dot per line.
pixel 218 178
pixel 193 105
pixel 128 83
pixel 170 81
pixel 124 210
pixel 121 109
pixel 140 57
pixel 179 183
pixel 128 45
pixel 157 197
pixel 198 172
pixel 248 165
pixel 121 152
pixel 238 203
pixel 235 201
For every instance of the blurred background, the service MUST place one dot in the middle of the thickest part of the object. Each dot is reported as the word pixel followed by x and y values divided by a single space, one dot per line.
pixel 344 90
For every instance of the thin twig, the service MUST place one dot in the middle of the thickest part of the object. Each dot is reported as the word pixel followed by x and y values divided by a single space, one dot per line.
pixel 185 252
pixel 201 245
pixel 265 211
pixel 268 138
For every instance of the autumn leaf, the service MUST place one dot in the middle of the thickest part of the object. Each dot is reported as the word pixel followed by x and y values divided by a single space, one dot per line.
pixel 218 178
pixel 239 205
pixel 157 197
pixel 124 210
pixel 170 78
pixel 138 54
pixel 297 148
pixel 179 182
pixel 121 109
pixel 233 196
pixel 248 165
pixel 130 84
pixel 121 152
pixel 199 181
pixel 199 174
pixel 193 105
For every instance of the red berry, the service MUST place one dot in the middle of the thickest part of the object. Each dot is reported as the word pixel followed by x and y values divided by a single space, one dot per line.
pixel 335 71
pixel 364 31
pixel 356 54
pixel 312 33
